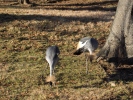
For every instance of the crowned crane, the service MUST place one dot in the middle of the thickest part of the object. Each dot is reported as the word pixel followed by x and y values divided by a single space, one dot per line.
pixel 52 58
pixel 87 44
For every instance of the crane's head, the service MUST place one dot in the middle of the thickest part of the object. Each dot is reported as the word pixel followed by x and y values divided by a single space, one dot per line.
pixel 51 80
pixel 79 51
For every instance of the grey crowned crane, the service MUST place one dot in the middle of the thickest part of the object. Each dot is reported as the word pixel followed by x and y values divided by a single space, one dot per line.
pixel 87 44
pixel 52 58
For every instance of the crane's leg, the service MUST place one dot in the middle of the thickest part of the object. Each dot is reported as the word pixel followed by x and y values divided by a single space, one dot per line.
pixel 87 57
pixel 87 65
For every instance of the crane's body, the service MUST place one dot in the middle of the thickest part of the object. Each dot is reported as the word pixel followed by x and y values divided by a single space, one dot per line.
pixel 87 44
pixel 52 58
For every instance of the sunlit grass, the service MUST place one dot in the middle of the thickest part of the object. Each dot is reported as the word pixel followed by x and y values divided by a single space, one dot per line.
pixel 23 67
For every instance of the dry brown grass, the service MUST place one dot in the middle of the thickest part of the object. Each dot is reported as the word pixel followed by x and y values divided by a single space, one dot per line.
pixel 25 33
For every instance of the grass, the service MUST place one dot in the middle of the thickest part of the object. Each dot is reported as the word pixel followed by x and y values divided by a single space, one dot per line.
pixel 24 37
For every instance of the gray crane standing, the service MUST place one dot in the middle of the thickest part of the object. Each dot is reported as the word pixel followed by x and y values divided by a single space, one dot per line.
pixel 87 44
pixel 52 58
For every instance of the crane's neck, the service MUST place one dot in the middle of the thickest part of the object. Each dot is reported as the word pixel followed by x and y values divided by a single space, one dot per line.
pixel 51 71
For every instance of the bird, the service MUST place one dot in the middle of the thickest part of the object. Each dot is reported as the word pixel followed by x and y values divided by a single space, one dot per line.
pixel 52 58
pixel 87 44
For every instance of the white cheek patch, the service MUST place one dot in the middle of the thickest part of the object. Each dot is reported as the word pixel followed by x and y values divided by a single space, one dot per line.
pixel 81 44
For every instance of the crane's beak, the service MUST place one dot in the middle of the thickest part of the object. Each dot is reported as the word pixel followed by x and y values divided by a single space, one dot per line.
pixel 51 84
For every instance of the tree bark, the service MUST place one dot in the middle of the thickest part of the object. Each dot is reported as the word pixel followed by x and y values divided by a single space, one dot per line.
pixel 119 44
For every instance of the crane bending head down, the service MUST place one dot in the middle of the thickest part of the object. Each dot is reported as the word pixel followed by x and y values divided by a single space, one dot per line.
pixel 52 58
pixel 87 44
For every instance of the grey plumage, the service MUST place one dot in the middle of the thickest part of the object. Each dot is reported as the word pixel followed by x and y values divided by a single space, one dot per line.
pixel 91 45
pixel 52 58
pixel 87 44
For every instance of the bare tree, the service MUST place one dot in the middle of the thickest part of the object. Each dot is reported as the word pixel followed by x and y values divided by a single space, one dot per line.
pixel 119 44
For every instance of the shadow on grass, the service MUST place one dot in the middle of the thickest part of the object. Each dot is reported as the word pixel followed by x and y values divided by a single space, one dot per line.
pixel 85 19
pixel 122 74
pixel 122 71
pixel 89 85
pixel 95 6
pixel 81 86
pixel 92 6
pixel 125 71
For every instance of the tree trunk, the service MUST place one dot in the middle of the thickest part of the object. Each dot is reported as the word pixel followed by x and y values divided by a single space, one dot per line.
pixel 119 44
pixel 25 2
